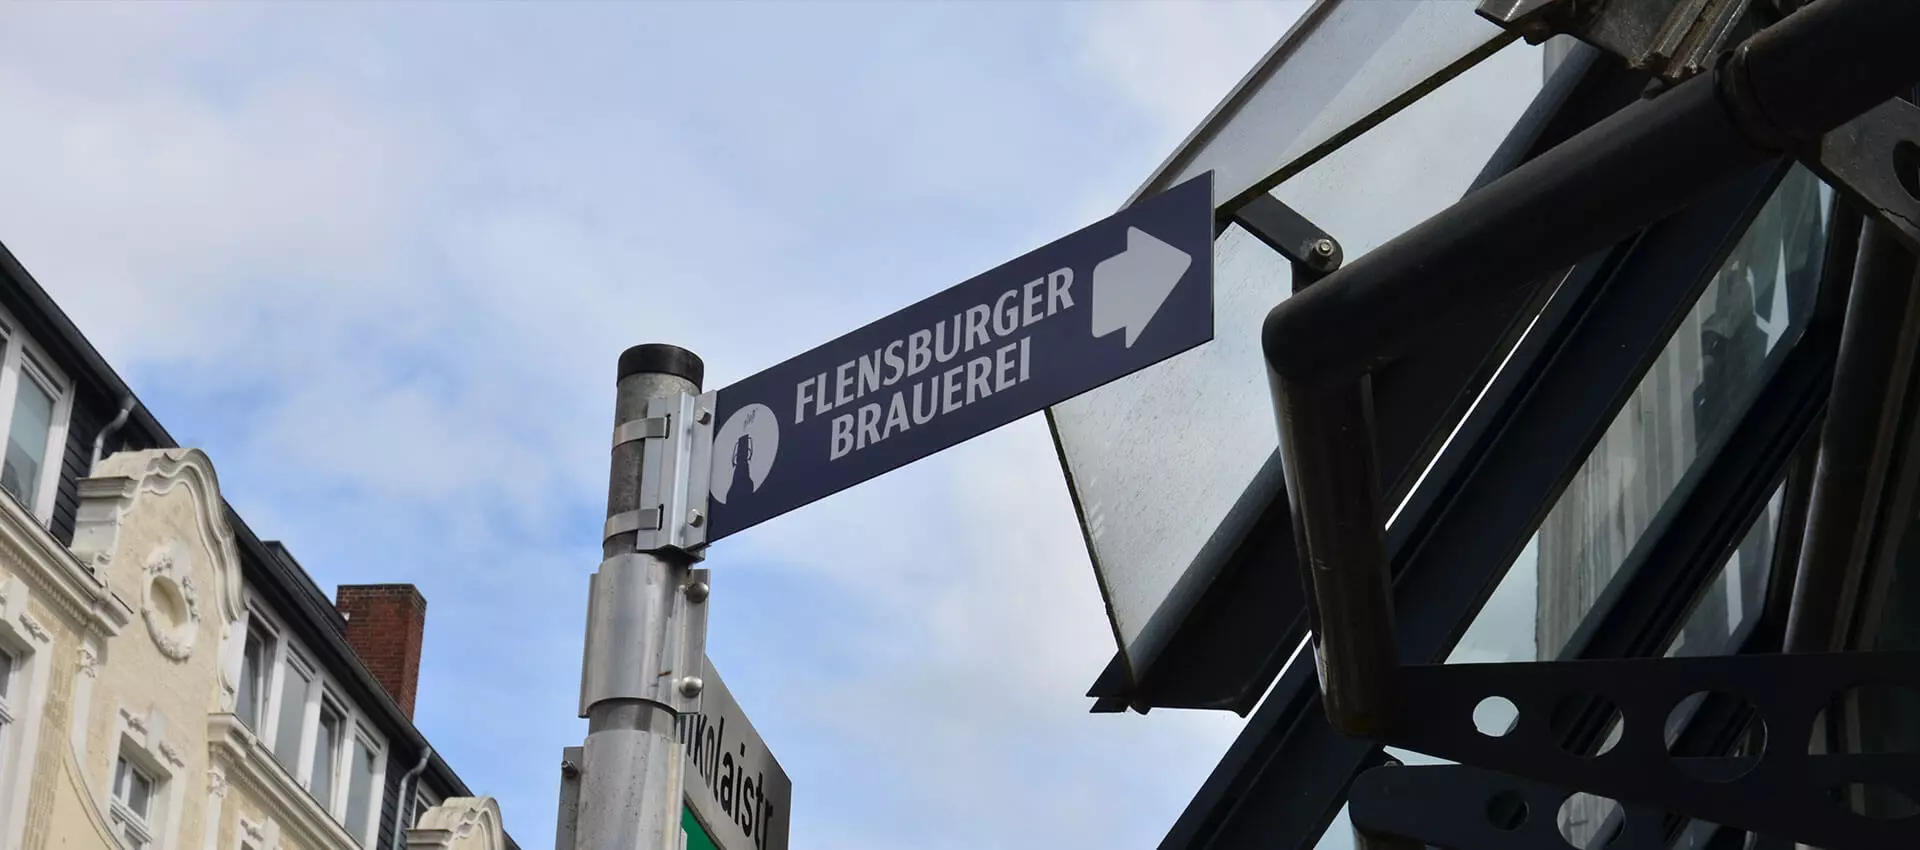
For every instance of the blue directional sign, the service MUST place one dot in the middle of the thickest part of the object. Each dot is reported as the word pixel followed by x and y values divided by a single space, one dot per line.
pixel 1099 304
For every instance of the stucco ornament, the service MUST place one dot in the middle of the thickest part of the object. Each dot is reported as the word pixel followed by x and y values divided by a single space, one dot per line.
pixel 169 602
pixel 34 629
pixel 459 823
pixel 107 504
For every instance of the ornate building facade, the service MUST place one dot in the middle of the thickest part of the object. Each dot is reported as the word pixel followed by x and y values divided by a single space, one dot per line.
pixel 168 680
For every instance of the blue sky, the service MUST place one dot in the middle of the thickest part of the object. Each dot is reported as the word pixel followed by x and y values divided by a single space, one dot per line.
pixel 378 260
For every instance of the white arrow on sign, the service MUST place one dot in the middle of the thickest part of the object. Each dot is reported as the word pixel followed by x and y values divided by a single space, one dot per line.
pixel 1129 287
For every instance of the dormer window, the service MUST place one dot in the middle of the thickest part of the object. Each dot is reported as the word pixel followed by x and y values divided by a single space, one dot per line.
pixel 321 739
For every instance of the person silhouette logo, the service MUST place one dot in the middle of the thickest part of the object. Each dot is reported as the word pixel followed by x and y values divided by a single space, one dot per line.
pixel 744 451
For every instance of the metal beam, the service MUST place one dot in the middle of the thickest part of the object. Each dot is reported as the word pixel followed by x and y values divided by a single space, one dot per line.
pixel 1783 88
pixel 1862 429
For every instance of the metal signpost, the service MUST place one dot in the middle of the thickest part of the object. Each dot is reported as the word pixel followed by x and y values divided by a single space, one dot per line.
pixel 690 468
pixel 646 612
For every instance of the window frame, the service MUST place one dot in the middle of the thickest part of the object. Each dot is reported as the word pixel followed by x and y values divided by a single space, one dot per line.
pixel 323 690
pixel 263 687
pixel 357 732
pixel 423 799
pixel 327 703
pixel 288 658
pixel 121 810
pixel 18 354
pixel 122 818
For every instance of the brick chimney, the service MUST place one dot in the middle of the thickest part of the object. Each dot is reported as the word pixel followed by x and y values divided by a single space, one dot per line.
pixel 385 625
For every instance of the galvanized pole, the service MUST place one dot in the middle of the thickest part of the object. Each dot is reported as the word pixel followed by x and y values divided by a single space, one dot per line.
pixel 646 623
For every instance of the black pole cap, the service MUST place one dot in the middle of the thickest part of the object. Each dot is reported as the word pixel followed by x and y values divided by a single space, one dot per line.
pixel 660 358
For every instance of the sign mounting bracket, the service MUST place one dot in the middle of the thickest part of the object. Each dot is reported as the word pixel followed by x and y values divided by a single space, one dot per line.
pixel 677 461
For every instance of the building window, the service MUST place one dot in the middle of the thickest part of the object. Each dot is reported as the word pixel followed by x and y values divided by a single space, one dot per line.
pixel 317 734
pixel 27 437
pixel 326 754
pixel 256 660
pixel 295 684
pixel 34 404
pixel 133 793
pixel 422 801
pixel 362 777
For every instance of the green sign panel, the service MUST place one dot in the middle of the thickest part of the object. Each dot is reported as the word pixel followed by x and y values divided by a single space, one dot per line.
pixel 696 835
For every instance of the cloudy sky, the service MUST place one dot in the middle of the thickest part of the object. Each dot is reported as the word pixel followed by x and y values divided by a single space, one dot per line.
pixel 379 259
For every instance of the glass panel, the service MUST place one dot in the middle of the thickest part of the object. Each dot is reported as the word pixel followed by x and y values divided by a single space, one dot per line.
pixel 1339 834
pixel 1504 630
pixel 1736 594
pixel 6 673
pixel 294 683
pixel 326 748
pixel 27 440
pixel 139 791
pixel 1344 66
pixel 359 790
pixel 1172 463
pixel 1699 385
pixel 132 787
pixel 253 669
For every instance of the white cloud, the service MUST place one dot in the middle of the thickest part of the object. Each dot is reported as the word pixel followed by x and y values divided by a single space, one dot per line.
pixel 163 218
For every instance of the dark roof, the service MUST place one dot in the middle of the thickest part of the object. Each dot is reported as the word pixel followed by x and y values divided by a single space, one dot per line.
pixel 267 566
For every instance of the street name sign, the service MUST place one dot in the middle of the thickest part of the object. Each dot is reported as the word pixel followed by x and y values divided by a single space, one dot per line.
pixel 739 797
pixel 1094 306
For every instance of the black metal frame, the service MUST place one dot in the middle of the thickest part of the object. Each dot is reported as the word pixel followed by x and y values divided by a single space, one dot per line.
pixel 1780 792
pixel 1766 97
pixel 1690 537
pixel 1857 448
pixel 1283 779
pixel 1461 806
pixel 1477 507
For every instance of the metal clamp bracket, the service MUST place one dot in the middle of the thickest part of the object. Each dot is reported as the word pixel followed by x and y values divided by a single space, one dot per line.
pixel 646 634
pixel 630 521
pixel 1313 252
pixel 1874 161
pixel 675 466
pixel 639 429
pixel 1674 39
